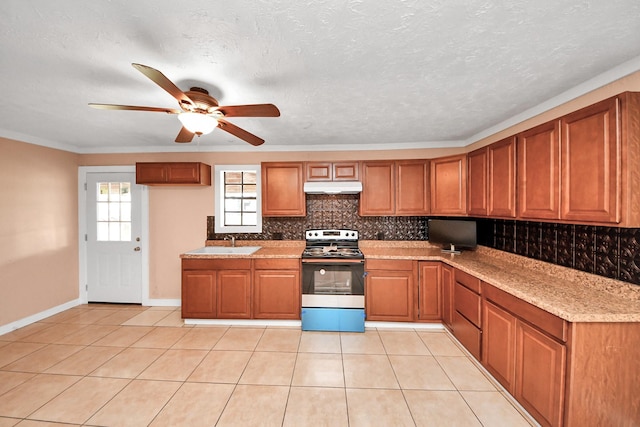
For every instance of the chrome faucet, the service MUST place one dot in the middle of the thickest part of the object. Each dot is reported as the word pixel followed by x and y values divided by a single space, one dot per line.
pixel 233 240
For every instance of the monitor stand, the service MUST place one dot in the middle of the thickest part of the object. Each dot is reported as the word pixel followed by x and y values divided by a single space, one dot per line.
pixel 450 250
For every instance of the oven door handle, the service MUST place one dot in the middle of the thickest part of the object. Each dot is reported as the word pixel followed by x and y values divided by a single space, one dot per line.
pixel 329 262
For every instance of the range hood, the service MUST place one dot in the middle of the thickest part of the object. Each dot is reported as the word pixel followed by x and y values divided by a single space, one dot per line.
pixel 333 187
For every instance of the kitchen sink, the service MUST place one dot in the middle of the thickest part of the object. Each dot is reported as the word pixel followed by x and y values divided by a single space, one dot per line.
pixel 225 250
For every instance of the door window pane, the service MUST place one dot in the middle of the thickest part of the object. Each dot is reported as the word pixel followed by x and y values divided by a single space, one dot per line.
pixel 113 211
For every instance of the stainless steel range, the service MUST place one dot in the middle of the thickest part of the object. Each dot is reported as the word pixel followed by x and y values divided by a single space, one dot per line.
pixel 332 281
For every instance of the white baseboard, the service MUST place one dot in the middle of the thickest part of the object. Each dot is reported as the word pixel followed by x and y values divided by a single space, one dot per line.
pixel 10 327
pixel 403 325
pixel 162 303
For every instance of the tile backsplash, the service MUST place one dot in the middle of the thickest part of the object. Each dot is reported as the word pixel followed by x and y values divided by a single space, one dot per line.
pixel 607 251
pixel 334 211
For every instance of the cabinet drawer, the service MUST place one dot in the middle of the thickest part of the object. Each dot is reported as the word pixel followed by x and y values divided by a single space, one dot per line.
pixel 549 323
pixel 467 303
pixel 388 264
pixel 468 280
pixel 468 335
pixel 276 263
pixel 216 264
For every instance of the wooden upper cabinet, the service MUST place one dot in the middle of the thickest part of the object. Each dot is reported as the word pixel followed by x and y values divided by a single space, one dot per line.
pixel 395 188
pixel 538 151
pixel 502 178
pixel 590 155
pixel 477 194
pixel 378 188
pixel 336 171
pixel 173 173
pixel 449 185
pixel 282 189
pixel 412 187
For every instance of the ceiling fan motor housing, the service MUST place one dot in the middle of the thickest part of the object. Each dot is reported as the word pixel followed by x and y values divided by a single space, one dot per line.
pixel 204 103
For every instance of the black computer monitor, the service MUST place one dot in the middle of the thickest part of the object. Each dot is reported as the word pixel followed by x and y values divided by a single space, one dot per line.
pixel 453 235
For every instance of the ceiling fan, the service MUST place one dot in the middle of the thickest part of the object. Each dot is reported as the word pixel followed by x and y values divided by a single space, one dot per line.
pixel 199 112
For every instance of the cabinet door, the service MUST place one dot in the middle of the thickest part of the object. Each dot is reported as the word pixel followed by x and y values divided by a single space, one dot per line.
pixel 151 173
pixel 539 172
pixel 234 294
pixel 186 173
pixel 447 295
pixel 282 189
pixel 590 156
pixel 430 291
pixel 502 178
pixel 540 374
pixel 389 295
pixel 378 185
pixel 198 294
pixel 412 187
pixel 449 185
pixel 346 171
pixel 477 165
pixel 498 344
pixel 276 294
pixel 319 171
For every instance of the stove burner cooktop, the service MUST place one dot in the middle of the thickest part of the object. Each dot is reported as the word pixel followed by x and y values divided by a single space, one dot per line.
pixel 332 244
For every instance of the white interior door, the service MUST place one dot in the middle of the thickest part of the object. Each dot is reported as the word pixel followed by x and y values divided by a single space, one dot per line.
pixel 114 244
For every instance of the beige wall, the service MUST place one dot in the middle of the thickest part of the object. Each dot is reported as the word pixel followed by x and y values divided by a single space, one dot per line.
pixel 38 218
pixel 38 229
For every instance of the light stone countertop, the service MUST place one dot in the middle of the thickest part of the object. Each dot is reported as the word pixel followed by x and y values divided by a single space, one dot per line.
pixel 573 295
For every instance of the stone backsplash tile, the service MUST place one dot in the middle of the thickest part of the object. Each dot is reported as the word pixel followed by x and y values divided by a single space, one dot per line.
pixel 334 211
pixel 607 251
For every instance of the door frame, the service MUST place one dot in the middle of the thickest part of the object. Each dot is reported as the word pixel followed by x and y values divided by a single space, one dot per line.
pixel 83 294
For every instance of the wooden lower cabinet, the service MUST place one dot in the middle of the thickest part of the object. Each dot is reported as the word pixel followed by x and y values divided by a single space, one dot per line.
pixel 527 354
pixel 389 289
pixel 540 373
pixel 499 344
pixel 276 294
pixel 241 288
pixel 447 295
pixel 199 294
pixel 429 291
pixel 467 319
pixel 233 294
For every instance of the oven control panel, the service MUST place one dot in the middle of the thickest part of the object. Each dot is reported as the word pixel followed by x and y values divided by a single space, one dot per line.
pixel 331 235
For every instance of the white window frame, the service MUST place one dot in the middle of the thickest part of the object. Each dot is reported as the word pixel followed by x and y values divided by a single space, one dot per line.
pixel 219 199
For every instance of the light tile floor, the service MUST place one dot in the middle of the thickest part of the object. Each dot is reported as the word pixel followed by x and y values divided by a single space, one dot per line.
pixel 120 365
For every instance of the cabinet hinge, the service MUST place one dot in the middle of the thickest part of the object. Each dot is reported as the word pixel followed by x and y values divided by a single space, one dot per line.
pixel 85 186
pixel 86 238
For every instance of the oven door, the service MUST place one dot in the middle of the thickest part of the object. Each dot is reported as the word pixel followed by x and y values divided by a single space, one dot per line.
pixel 333 284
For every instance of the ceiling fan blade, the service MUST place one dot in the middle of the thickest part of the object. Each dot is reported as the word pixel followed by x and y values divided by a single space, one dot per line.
pixel 240 133
pixel 134 108
pixel 255 110
pixel 166 84
pixel 184 135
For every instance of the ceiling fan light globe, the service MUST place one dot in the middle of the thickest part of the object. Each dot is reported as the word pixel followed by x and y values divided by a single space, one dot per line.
pixel 198 123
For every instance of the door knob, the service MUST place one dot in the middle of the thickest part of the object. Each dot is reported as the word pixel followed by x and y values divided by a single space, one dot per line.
pixel 137 249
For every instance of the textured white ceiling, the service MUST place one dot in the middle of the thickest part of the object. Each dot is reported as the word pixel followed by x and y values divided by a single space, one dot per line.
pixel 346 74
